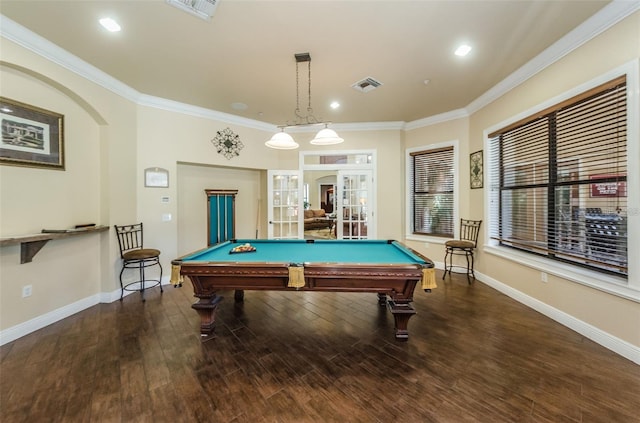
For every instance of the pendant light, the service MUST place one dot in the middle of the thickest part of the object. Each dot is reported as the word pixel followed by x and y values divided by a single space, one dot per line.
pixel 326 136
pixel 282 141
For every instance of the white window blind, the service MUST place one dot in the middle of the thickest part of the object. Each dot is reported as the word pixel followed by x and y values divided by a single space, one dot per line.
pixel 558 187
pixel 432 192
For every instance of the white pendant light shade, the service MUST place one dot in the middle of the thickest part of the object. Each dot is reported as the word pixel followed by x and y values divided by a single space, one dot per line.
pixel 282 141
pixel 326 136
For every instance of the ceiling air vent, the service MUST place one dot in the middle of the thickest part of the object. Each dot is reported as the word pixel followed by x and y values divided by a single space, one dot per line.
pixel 203 9
pixel 366 85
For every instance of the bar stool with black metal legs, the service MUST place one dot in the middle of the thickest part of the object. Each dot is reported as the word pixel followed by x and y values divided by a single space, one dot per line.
pixel 135 256
pixel 464 246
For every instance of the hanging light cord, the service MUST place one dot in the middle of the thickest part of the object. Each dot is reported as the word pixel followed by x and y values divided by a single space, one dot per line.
pixel 298 115
pixel 309 109
pixel 309 118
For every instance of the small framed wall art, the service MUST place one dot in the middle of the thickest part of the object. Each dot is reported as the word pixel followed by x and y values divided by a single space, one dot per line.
pixel 476 169
pixel 31 136
pixel 156 177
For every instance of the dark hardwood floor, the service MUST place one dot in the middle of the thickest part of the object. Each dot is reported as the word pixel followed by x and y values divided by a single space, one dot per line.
pixel 474 355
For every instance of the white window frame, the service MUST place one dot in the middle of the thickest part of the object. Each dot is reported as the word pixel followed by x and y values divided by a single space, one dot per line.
pixel 628 288
pixel 409 195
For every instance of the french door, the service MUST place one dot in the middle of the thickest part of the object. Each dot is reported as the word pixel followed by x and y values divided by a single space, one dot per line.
pixel 284 201
pixel 355 206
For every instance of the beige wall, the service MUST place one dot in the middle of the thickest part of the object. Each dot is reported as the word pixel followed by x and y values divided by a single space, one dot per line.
pixel 192 180
pixel 166 139
pixel 111 140
pixel 389 177
pixel 70 271
pixel 453 130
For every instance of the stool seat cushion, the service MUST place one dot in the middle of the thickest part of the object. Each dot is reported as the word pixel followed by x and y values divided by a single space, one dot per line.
pixel 457 243
pixel 141 254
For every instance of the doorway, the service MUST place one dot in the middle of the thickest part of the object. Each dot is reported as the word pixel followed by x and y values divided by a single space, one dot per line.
pixel 341 183
pixel 327 197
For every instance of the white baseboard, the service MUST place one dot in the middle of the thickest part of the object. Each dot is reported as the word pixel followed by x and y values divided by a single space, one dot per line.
pixel 599 336
pixel 25 328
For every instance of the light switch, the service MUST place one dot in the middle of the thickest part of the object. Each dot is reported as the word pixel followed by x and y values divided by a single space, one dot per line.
pixel 166 217
pixel 164 199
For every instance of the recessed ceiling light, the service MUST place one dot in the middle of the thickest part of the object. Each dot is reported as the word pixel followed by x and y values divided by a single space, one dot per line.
pixel 110 24
pixel 463 50
pixel 334 105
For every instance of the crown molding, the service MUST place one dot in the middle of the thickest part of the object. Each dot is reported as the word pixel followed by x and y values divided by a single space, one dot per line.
pixel 611 14
pixel 188 109
pixel 31 41
pixel 435 119
pixel 41 46
pixel 607 17
pixel 370 126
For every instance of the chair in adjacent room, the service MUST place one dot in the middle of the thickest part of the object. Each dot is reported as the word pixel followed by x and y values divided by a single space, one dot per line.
pixel 135 256
pixel 465 246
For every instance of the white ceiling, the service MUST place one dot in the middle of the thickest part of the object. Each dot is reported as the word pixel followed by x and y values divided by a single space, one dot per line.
pixel 245 53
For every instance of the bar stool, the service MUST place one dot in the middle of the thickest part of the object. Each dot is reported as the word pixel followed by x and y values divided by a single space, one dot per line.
pixel 135 256
pixel 464 246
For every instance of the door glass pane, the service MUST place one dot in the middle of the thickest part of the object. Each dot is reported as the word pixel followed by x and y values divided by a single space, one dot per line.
pixel 355 193
pixel 283 223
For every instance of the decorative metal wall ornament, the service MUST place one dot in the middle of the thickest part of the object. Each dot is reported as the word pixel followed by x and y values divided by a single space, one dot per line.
pixel 476 169
pixel 227 143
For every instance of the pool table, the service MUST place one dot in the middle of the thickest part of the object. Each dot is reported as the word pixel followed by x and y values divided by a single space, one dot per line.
pixel 387 268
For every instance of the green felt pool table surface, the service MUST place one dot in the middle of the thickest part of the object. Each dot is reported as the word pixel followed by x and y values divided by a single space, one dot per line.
pixel 319 251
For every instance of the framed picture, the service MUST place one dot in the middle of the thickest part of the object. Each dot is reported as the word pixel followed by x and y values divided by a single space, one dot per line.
pixel 156 177
pixel 476 169
pixel 31 136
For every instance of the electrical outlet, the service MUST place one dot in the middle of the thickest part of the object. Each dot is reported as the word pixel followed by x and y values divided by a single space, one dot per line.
pixel 543 277
pixel 26 291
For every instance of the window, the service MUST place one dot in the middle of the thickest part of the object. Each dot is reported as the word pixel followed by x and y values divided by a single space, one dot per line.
pixel 558 181
pixel 431 181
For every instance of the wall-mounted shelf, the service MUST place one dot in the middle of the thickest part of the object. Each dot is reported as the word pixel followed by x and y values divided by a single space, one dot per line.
pixel 31 244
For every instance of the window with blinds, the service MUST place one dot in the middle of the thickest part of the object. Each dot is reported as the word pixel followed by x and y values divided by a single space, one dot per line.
pixel 432 194
pixel 558 181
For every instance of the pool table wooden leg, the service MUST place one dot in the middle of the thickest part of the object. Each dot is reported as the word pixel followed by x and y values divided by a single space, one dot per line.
pixel 238 295
pixel 402 312
pixel 206 308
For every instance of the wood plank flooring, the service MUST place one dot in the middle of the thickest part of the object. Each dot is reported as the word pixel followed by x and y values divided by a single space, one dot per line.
pixel 474 355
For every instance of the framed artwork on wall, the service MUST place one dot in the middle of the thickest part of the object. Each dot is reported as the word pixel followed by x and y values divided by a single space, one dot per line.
pixel 476 169
pixel 31 136
pixel 155 177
